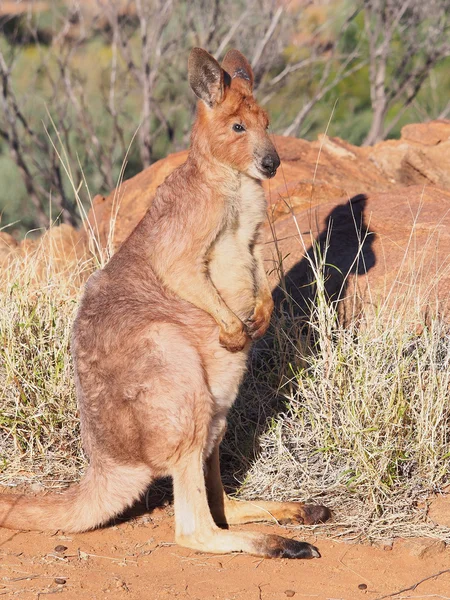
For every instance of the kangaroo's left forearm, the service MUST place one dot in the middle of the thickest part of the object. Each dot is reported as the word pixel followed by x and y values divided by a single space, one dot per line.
pixel 263 292
pixel 258 324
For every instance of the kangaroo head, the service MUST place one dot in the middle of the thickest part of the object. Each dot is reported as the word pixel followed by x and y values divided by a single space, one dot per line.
pixel 230 126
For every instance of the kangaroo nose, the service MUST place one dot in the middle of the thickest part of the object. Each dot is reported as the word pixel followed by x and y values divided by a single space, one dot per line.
pixel 270 163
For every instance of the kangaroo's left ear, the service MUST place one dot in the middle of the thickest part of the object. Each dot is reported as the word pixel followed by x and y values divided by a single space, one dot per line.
pixel 206 77
pixel 236 65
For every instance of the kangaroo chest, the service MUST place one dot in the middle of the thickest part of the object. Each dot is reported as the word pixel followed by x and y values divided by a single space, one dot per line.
pixel 245 211
pixel 231 263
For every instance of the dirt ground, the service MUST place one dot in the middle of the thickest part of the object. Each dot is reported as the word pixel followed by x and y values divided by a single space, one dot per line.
pixel 138 560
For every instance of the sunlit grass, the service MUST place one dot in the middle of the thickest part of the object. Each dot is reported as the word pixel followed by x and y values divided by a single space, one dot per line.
pixel 39 430
pixel 364 423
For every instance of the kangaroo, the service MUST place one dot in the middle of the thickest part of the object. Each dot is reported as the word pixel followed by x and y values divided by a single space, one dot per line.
pixel 161 338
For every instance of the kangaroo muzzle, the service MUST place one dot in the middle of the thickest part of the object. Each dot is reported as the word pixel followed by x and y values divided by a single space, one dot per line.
pixel 270 164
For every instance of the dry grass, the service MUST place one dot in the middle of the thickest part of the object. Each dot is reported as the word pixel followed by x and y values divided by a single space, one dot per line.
pixel 39 434
pixel 364 429
pixel 362 417
pixel 39 293
pixel 354 417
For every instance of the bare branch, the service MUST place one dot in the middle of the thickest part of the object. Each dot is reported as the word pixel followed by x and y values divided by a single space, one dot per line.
pixel 421 31
pixel 223 44
pixel 322 91
pixel 263 43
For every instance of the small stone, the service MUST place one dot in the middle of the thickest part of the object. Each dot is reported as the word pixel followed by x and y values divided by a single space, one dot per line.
pixel 385 544
pixel 36 488
pixel 289 593
pixel 60 580
pixel 122 585
pixel 60 548
pixel 362 586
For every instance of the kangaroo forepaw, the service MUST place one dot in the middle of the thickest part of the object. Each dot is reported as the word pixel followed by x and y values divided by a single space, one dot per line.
pixel 258 323
pixel 234 342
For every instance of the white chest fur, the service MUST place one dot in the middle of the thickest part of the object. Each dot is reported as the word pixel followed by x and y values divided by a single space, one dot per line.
pixel 231 265
pixel 252 210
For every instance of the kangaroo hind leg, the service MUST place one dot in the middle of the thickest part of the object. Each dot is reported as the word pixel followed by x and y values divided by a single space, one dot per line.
pixel 180 421
pixel 195 527
pixel 227 511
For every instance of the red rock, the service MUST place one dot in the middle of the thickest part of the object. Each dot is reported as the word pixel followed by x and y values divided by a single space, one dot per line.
pixel 61 244
pixel 405 240
pixel 429 134
pixel 59 247
pixel 113 218
pixel 397 193
pixel 422 548
pixel 439 511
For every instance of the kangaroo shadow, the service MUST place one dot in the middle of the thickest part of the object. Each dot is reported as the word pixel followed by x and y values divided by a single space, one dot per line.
pixel 345 248
pixel 347 243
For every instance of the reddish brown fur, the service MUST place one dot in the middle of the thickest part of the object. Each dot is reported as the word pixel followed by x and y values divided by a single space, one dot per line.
pixel 240 106
pixel 162 334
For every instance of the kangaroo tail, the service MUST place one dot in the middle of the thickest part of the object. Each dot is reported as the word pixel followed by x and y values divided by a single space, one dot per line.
pixel 105 491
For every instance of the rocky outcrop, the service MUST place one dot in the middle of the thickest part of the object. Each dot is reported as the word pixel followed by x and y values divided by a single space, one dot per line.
pixel 439 511
pixel 391 246
pixel 113 218
pixel 381 212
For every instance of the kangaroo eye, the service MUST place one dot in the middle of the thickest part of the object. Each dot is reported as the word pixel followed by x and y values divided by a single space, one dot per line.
pixel 238 128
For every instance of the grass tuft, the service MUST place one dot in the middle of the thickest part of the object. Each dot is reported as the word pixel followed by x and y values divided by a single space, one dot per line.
pixel 361 419
pixel 39 428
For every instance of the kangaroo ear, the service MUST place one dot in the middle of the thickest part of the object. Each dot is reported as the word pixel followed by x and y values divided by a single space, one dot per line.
pixel 206 77
pixel 237 65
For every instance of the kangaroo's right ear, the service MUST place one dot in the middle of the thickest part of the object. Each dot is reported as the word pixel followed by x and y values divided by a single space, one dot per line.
pixel 206 77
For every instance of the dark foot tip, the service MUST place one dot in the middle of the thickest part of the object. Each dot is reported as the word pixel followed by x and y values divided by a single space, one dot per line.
pixel 286 548
pixel 296 549
pixel 316 513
